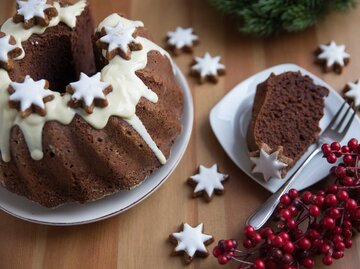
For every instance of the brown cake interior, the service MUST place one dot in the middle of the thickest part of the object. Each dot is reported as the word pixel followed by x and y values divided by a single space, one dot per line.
pixel 287 111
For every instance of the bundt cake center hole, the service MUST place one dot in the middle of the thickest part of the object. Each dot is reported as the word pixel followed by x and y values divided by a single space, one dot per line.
pixel 59 55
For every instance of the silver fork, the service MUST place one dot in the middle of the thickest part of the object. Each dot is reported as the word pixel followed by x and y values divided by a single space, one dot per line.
pixel 334 131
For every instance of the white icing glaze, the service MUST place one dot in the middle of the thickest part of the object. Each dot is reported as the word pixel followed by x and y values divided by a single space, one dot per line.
pixel 354 92
pixel 191 240
pixel 333 53
pixel 208 65
pixel 29 93
pixel 32 8
pixel 66 14
pixel 120 73
pixel 5 48
pixel 182 37
pixel 119 36
pixel 208 180
pixel 268 164
pixel 88 89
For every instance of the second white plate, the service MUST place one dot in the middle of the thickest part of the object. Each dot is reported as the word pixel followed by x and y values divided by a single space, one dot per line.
pixel 231 116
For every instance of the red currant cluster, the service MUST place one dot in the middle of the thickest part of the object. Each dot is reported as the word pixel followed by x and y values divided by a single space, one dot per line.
pixel 309 224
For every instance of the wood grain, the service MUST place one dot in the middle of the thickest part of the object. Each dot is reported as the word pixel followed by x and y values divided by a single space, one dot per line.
pixel 138 238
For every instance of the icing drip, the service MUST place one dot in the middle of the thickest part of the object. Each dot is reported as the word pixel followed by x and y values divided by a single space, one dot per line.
pixel 120 73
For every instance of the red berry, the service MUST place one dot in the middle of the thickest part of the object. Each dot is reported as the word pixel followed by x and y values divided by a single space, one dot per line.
pixel 331 158
pixel 228 245
pixel 343 195
pixel 289 247
pixel 306 197
pixel 330 200
pixel 313 234
pixel 348 243
pixel 333 188
pixel 348 159
pixel 353 144
pixel 351 204
pixel 217 251
pixel 326 149
pixel 345 149
pixel 222 259
pixel 337 238
pixel 340 246
pixel 285 214
pixel 304 244
pixel 259 264
pixel 314 211
pixel 249 230
pixel 327 260
pixel 340 171
pixel 338 254
pixel 328 223
pixel 334 213
pixel 266 232
pixel 247 243
pixel 348 181
pixel 285 199
pixel 285 236
pixel 287 259
pixel 325 248
pixel 291 224
pixel 320 200
pixel 293 193
pixel 277 242
pixel 347 233
pixel 335 146
pixel 256 239
pixel 347 224
pixel 308 263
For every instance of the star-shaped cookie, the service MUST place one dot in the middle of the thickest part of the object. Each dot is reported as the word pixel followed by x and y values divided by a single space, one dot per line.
pixel 8 51
pixel 35 12
pixel 119 40
pixel 268 164
pixel 352 92
pixel 182 39
pixel 332 57
pixel 30 96
pixel 89 92
pixel 191 242
pixel 207 68
pixel 208 182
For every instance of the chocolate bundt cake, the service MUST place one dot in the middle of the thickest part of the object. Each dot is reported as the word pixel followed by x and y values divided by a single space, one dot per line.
pixel 285 122
pixel 82 115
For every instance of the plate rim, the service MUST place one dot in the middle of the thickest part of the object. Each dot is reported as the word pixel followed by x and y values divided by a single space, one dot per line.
pixel 188 116
pixel 214 118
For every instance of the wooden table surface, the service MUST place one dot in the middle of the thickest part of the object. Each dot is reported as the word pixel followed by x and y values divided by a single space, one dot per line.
pixel 138 237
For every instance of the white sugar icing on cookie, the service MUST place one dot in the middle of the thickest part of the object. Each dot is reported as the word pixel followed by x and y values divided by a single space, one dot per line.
pixel 120 73
pixel 208 65
pixel 190 240
pixel 268 164
pixel 32 8
pixel 182 37
pixel 209 180
pixel 354 92
pixel 88 89
pixel 333 54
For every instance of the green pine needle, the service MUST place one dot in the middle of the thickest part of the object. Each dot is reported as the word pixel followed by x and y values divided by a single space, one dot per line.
pixel 267 17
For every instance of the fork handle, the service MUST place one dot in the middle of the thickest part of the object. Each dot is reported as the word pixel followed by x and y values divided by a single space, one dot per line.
pixel 263 213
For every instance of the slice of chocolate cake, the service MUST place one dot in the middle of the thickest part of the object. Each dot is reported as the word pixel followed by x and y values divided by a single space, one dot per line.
pixel 285 121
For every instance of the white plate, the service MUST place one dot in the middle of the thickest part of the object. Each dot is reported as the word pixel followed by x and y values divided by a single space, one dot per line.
pixel 73 213
pixel 231 116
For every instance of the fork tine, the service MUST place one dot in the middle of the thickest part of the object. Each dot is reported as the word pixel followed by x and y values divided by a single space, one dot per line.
pixel 335 118
pixel 337 128
pixel 347 127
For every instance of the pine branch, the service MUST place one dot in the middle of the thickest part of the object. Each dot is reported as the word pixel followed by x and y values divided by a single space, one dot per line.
pixel 267 17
